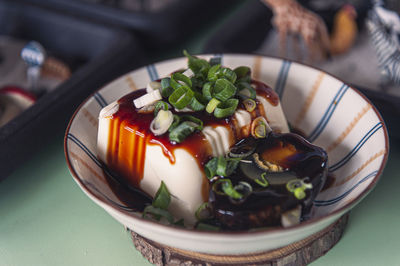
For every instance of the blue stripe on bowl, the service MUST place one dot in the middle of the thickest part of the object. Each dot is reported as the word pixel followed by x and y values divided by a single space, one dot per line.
pixel 220 56
pixel 84 148
pixel 346 158
pixel 328 114
pixel 152 71
pixel 319 203
pixel 100 100
pixel 282 77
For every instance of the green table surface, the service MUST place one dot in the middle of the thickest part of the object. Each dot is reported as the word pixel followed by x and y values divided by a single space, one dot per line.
pixel 47 220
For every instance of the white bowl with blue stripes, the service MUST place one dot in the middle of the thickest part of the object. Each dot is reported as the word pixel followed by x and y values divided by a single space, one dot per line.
pixel 330 113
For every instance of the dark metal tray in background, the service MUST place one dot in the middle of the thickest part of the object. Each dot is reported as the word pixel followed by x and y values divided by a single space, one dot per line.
pixel 174 22
pixel 98 54
pixel 246 30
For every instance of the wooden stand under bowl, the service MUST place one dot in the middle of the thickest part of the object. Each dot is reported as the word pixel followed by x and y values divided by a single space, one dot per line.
pixel 299 253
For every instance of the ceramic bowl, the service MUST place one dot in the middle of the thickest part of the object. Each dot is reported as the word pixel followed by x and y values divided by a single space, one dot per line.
pixel 330 113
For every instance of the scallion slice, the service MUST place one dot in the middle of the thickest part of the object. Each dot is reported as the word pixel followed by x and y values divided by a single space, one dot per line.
pixel 207 90
pixel 198 122
pixel 178 80
pixel 229 190
pixel 213 73
pixel 181 97
pixel 166 89
pixel 262 180
pixel 157 214
pixel 162 198
pixel 221 166
pixel 243 73
pixel 249 104
pixel 224 89
pixel 203 212
pixel 184 129
pixel 228 74
pixel 246 91
pixel 197 103
pixel 212 104
pixel 175 123
pixel 197 65
pixel 210 167
pixel 226 108
pixel 160 105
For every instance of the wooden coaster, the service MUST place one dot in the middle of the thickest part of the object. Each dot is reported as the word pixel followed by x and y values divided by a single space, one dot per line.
pixel 299 253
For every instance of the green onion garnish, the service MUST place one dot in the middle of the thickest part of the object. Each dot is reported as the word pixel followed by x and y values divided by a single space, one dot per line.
pixel 181 97
pixel 246 91
pixel 166 89
pixel 249 104
pixel 229 190
pixel 158 213
pixel 160 105
pixel 178 80
pixel 203 212
pixel 197 65
pixel 184 129
pixel 226 108
pixel 298 187
pixel 224 89
pixel 207 90
pixel 195 120
pixel 221 166
pixel 175 123
pixel 213 73
pixel 212 105
pixel 299 193
pixel 197 102
pixel 228 74
pixel 162 198
pixel 210 167
pixel 262 181
pixel 243 73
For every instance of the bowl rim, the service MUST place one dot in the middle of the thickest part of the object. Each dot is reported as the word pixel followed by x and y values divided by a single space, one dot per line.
pixel 273 230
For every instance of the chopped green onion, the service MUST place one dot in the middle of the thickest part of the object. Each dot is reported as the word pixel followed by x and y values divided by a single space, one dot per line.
pixel 184 129
pixel 160 105
pixel 226 108
pixel 178 80
pixel 243 73
pixel 197 102
pixel 203 212
pixel 299 193
pixel 212 105
pixel 213 73
pixel 293 184
pixel 243 188
pixel 229 190
pixel 249 104
pixel 221 166
pixel 162 198
pixel 228 74
pixel 158 213
pixel 298 187
pixel 175 123
pixel 207 90
pixel 166 89
pixel 193 119
pixel 197 65
pixel 246 90
pixel 262 181
pixel 224 89
pixel 181 97
pixel 210 167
